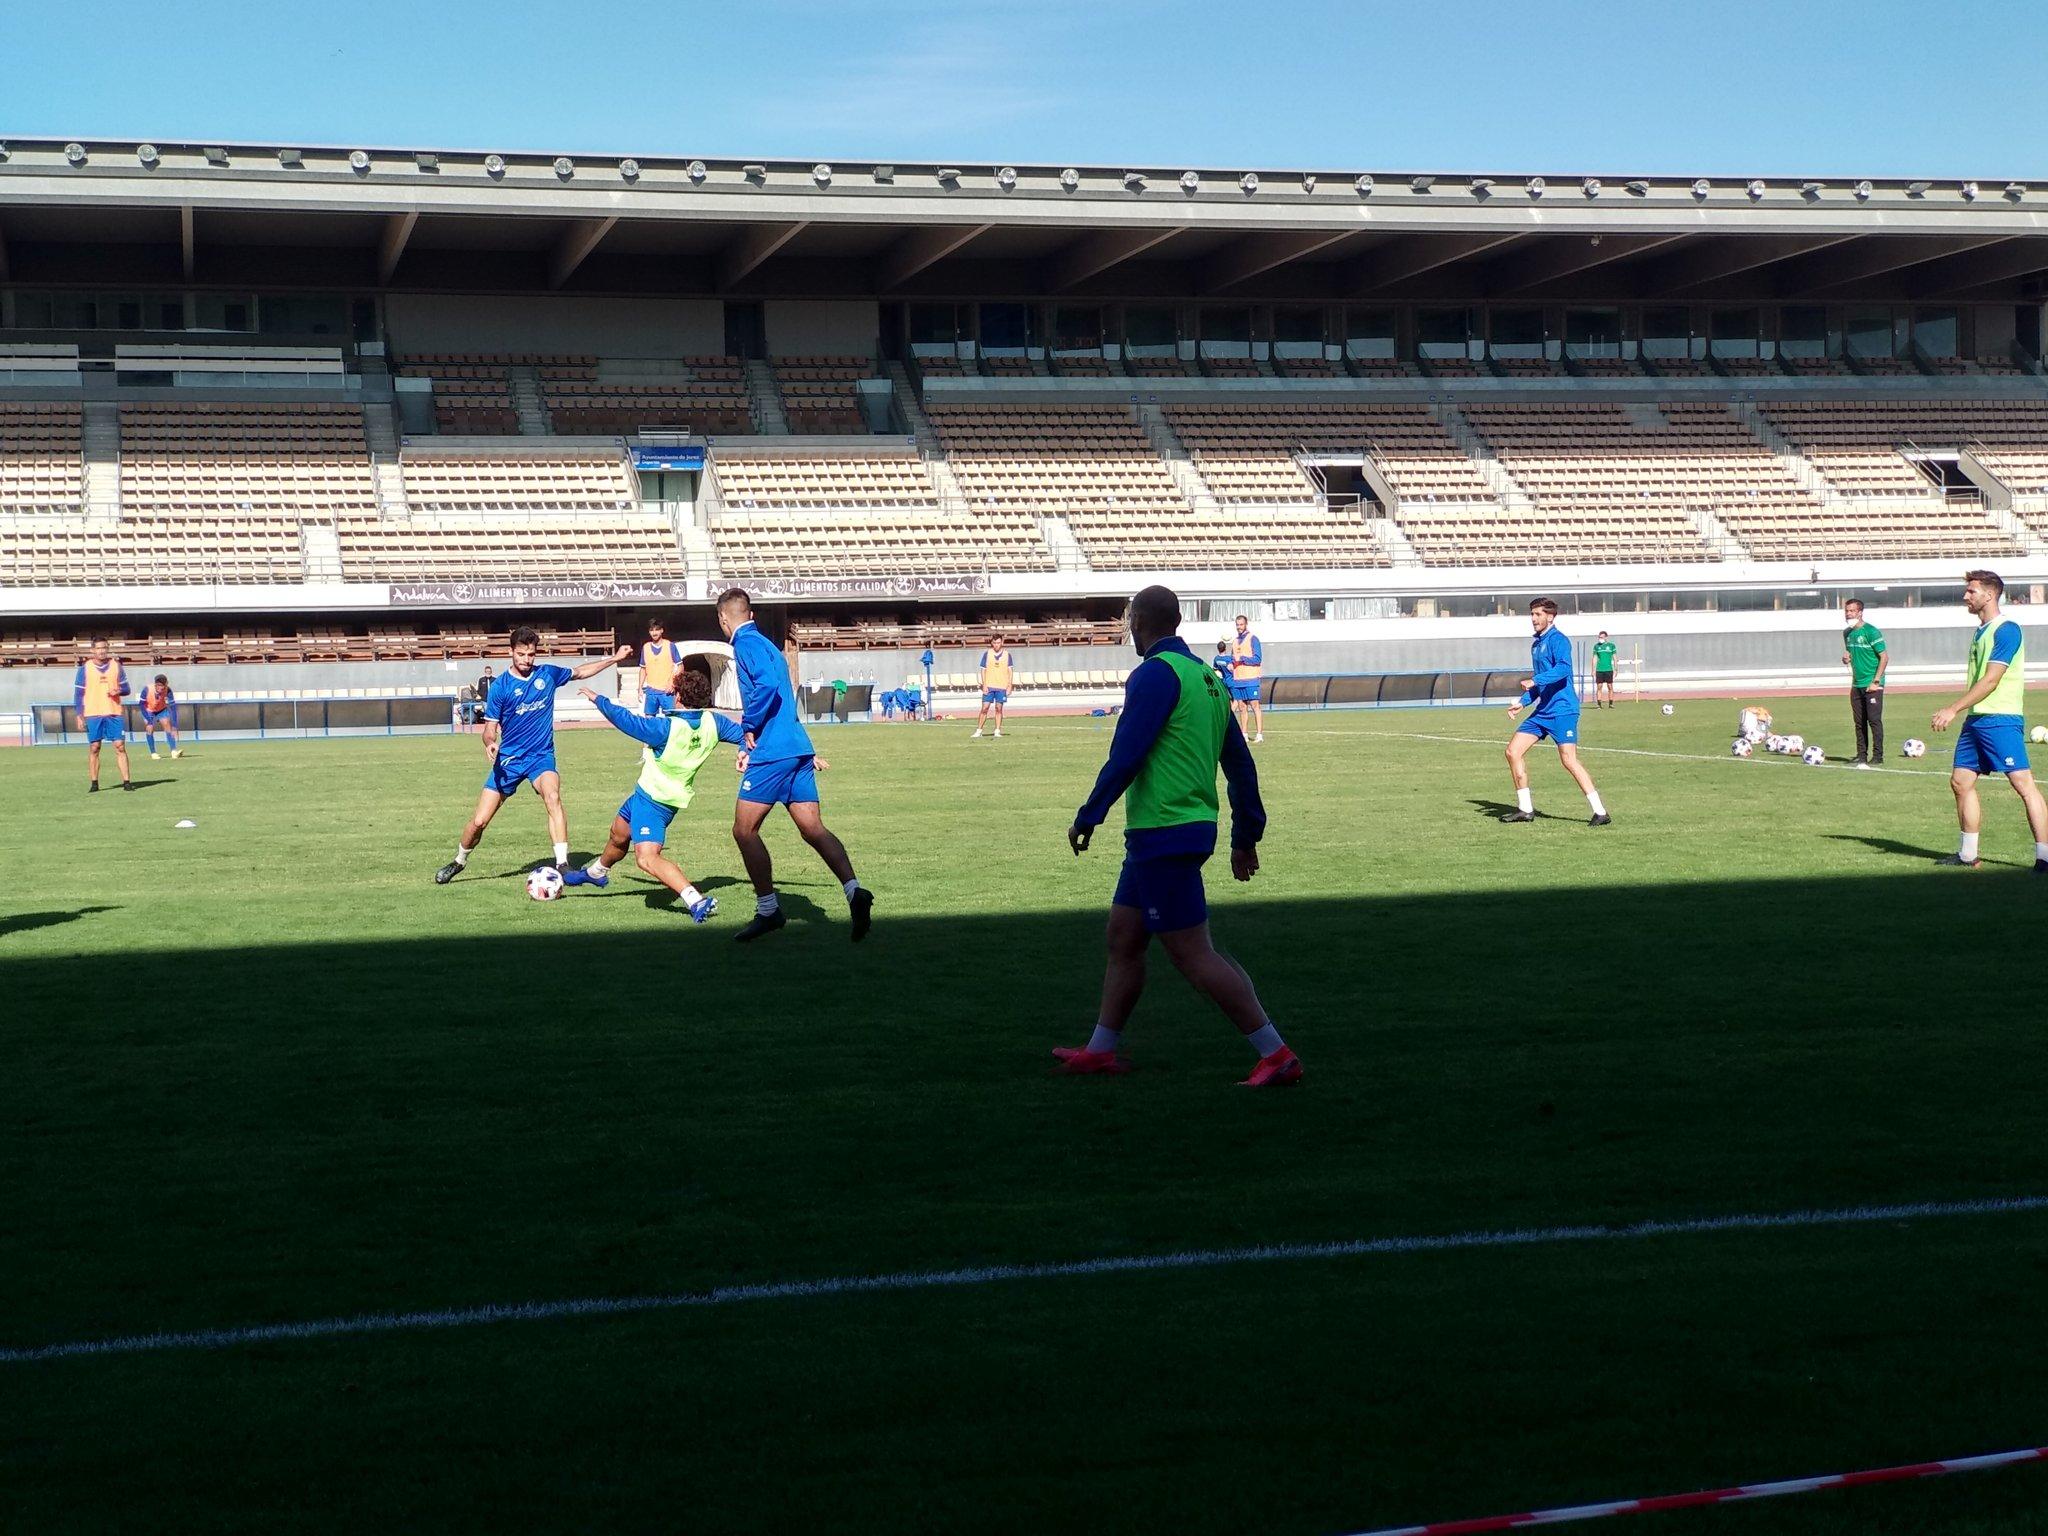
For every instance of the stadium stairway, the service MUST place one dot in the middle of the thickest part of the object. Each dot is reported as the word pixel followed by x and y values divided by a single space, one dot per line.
pixel 320 553
pixel 100 438
pixel 919 426
pixel 764 399
pixel 1394 540
pixel 1717 536
pixel 1797 464
pixel 1067 552
pixel 1480 452
pixel 1179 462
pixel 527 402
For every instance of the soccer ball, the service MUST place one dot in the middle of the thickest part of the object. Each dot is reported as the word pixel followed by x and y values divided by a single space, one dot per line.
pixel 1670 710
pixel 2038 735
pixel 545 883
pixel 1742 747
pixel 1813 757
pixel 1914 747
pixel 1774 743
pixel 1795 744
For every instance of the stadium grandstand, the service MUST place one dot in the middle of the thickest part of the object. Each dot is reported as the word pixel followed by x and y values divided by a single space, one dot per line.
pixel 370 406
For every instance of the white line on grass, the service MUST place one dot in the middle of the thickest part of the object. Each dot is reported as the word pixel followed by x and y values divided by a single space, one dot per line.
pixel 1685 757
pixel 926 1280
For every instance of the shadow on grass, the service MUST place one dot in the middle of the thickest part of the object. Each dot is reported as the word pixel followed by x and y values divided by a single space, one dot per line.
pixel 1914 850
pixel 1493 810
pixel 23 922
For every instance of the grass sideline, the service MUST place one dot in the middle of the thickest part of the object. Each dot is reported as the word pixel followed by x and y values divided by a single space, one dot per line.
pixel 263 1070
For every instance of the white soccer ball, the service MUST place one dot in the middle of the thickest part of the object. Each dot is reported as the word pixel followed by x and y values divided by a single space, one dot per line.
pixel 1795 744
pixel 1774 743
pixel 1742 747
pixel 545 883
pixel 2039 735
pixel 1670 709
pixel 1914 747
pixel 1813 757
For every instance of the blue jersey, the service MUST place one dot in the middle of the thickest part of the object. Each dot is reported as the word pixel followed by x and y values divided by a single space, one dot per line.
pixel 767 698
pixel 1226 668
pixel 1550 672
pixel 524 708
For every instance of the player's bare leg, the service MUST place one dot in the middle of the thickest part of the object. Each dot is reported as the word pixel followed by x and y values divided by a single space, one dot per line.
pixel 1257 710
pixel 981 719
pixel 1517 754
pixel 487 804
pixel 747 817
pixel 1125 942
pixel 1568 755
pixel 999 719
pixel 121 761
pixel 92 764
pixel 549 787
pixel 657 864
pixel 860 902
pixel 1226 984
pixel 2037 816
pixel 616 842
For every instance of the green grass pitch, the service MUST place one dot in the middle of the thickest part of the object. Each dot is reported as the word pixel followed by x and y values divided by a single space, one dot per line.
pixel 263 1070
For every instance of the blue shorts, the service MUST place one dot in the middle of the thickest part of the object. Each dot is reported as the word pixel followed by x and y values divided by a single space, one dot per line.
pixel 995 695
pixel 787 781
pixel 99 728
pixel 1561 726
pixel 646 819
pixel 1245 693
pixel 1993 744
pixel 1166 889
pixel 160 719
pixel 655 702
pixel 507 774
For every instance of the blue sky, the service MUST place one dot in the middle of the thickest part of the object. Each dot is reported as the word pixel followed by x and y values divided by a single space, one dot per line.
pixel 1719 87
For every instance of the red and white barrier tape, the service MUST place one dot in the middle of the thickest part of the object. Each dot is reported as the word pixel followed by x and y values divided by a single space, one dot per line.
pixel 1717 1495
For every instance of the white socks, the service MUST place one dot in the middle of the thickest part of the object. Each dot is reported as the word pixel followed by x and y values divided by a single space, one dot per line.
pixel 1265 1040
pixel 1593 799
pixel 461 856
pixel 849 886
pixel 597 866
pixel 2040 852
pixel 1968 850
pixel 1104 1039
pixel 767 906
pixel 691 895
pixel 561 853
pixel 1524 802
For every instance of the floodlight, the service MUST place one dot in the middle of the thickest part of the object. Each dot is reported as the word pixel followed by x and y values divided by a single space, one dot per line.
pixel 1363 186
pixel 426 161
pixel 1308 181
pixel 1535 186
pixel 885 173
pixel 358 161
pixel 1863 191
pixel 1070 178
pixel 1919 188
pixel 564 167
pixel 215 154
pixel 1590 186
pixel 1970 191
pixel 754 172
pixel 290 157
pixel 821 173
pixel 1248 182
pixel 3 151
pixel 1134 181
pixel 947 173
pixel 1639 189
pixel 2015 190
pixel 1481 185
pixel 1811 189
pixel 696 170
pixel 1755 189
pixel 1006 178
pixel 1421 183
pixel 1190 182
pixel 630 169
pixel 1702 187
pixel 494 165
pixel 146 153
pixel 75 153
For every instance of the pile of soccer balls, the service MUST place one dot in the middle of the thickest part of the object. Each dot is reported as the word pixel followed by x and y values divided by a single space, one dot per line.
pixel 1753 730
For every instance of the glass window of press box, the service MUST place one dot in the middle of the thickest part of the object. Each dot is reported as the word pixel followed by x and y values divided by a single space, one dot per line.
pixel 1077 330
pixel 1450 335
pixel 1372 335
pixel 1298 331
pixel 1596 336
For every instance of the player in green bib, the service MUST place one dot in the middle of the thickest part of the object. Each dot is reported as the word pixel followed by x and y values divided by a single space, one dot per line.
pixel 1176 729
pixel 1994 734
pixel 672 750
pixel 1603 671
pixel 1863 653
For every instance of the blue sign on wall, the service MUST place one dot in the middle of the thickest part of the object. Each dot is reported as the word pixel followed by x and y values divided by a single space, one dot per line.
pixel 668 458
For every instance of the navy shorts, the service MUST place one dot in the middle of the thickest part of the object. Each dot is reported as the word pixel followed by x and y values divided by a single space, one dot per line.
pixel 655 702
pixel 1993 744
pixel 99 728
pixel 1167 890
pixel 507 774
pixel 788 781
pixel 1561 726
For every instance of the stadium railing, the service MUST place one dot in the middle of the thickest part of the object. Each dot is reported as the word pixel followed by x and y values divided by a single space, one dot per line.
pixel 1389 690
pixel 258 717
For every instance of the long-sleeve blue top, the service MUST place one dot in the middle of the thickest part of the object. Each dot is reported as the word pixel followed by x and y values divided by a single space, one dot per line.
pixel 1550 672
pixel 768 698
pixel 652 730
pixel 1149 699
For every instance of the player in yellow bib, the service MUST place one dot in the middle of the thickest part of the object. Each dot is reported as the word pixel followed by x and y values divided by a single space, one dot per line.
pixel 997 677
pixel 1994 734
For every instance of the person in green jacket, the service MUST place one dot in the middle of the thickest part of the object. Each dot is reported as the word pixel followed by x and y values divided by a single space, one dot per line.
pixel 1603 671
pixel 1863 653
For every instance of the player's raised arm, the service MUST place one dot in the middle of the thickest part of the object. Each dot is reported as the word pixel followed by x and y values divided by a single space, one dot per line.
pixel 648 730
pixel 591 669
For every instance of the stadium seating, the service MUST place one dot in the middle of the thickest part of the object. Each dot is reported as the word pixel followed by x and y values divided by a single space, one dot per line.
pixel 705 395
pixel 751 545
pixel 454 547
pixel 1053 457
pixel 438 482
pixel 472 391
pixel 189 645
pixel 820 394
pixel 1125 541
pixel 244 456
pixel 149 551
pixel 42 468
pixel 792 481
pixel 1246 453
pixel 1857 443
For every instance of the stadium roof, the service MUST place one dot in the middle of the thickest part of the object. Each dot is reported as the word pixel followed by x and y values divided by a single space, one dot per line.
pixel 103 213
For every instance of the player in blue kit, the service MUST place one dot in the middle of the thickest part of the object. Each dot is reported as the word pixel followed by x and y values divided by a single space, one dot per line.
pixel 519 739
pixel 779 769
pixel 1554 715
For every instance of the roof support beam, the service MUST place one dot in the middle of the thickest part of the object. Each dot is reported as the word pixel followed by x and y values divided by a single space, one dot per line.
pixel 392 242
pixel 1873 257
pixel 1258 254
pixel 577 242
pixel 1418 254
pixel 1567 256
pixel 1713 261
pixel 2002 261
pixel 753 248
pixel 186 241
pixel 1093 255
pixel 923 248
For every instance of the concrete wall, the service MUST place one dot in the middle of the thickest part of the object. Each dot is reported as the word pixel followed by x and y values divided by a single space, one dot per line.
pixel 810 327
pixel 608 327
